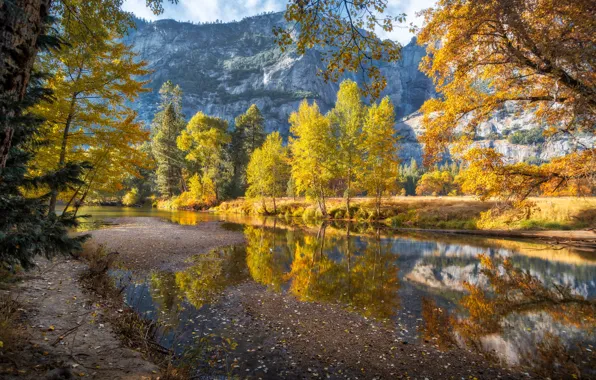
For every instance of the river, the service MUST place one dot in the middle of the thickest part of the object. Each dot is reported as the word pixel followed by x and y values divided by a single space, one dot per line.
pixel 433 291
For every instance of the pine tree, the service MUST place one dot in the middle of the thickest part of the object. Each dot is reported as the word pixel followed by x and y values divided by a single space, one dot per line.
pixel 248 135
pixel 26 230
pixel 167 125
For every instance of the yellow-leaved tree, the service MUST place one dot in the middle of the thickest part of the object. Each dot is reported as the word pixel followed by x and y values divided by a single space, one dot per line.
pixel 536 56
pixel 435 182
pixel 313 151
pixel 268 171
pixel 88 120
pixel 204 141
pixel 380 146
pixel 347 117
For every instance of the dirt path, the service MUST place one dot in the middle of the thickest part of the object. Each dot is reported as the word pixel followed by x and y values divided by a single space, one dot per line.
pixel 150 243
pixel 65 334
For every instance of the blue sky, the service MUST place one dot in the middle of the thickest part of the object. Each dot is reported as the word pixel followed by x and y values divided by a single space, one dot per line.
pixel 229 10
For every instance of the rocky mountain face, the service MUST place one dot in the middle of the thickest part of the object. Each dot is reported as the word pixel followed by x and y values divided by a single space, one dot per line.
pixel 224 68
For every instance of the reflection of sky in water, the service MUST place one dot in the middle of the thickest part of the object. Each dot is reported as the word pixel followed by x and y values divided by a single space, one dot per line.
pixel 384 277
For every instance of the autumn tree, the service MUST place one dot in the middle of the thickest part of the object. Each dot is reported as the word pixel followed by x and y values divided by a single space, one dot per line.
pixel 167 125
pixel 346 32
pixel 379 143
pixel 536 56
pixel 268 170
pixel 87 118
pixel 435 182
pixel 312 151
pixel 347 117
pixel 204 142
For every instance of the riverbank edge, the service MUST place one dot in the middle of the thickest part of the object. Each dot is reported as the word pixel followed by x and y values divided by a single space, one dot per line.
pixel 98 322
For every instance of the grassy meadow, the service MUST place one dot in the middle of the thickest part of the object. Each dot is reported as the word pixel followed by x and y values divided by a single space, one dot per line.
pixel 564 213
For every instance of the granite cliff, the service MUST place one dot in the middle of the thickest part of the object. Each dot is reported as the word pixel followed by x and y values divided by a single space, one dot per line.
pixel 223 68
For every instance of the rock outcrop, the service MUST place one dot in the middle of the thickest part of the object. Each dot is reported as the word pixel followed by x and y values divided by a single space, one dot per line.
pixel 223 68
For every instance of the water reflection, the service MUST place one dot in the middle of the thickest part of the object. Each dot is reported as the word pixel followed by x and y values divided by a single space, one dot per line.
pixel 523 304
pixel 519 319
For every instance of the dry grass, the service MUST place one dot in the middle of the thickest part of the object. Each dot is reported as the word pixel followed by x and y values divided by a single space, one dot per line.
pixel 9 310
pixel 436 212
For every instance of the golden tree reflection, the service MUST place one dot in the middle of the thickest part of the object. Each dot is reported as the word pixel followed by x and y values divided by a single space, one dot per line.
pixel 210 274
pixel 510 292
pixel 366 279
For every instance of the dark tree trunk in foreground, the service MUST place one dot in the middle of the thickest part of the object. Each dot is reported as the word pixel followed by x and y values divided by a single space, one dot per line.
pixel 21 23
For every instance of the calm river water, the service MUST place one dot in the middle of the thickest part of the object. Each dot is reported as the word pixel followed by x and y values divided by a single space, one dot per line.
pixel 533 310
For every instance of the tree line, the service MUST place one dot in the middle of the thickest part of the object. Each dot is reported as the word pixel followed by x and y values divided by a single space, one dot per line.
pixel 353 149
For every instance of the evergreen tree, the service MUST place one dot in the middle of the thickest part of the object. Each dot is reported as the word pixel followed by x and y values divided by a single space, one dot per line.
pixel 26 230
pixel 167 125
pixel 248 135
pixel 410 175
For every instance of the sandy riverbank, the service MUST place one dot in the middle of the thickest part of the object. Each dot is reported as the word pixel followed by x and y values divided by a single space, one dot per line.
pixel 153 244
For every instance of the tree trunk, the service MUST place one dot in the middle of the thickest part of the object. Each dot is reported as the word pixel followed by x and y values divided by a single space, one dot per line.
pixel 274 207
pixel 348 195
pixel 21 23
pixel 62 159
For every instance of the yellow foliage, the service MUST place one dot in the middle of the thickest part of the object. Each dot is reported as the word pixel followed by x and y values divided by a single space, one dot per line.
pixel 312 153
pixel 486 54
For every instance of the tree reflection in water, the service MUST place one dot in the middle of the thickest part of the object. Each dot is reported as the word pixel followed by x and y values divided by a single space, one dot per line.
pixel 322 268
pixel 511 296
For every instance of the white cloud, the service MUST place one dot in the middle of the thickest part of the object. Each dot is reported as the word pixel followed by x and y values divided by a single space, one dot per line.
pixel 206 10
pixel 410 7
pixel 229 10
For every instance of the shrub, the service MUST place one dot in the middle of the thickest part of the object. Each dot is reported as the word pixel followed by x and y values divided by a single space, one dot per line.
pixel 308 214
pixel 131 198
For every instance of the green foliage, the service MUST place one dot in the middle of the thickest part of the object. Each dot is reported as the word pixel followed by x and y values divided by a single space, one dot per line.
pixel 204 141
pixel 167 125
pixel 410 175
pixel 527 136
pixel 26 229
pixel 248 135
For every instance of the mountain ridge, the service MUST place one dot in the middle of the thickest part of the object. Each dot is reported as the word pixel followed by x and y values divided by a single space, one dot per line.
pixel 223 68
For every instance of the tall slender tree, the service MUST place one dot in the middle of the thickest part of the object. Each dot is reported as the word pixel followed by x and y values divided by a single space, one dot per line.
pixel 166 127
pixel 93 77
pixel 248 135
pixel 347 118
pixel 312 150
pixel 379 143
pixel 268 170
